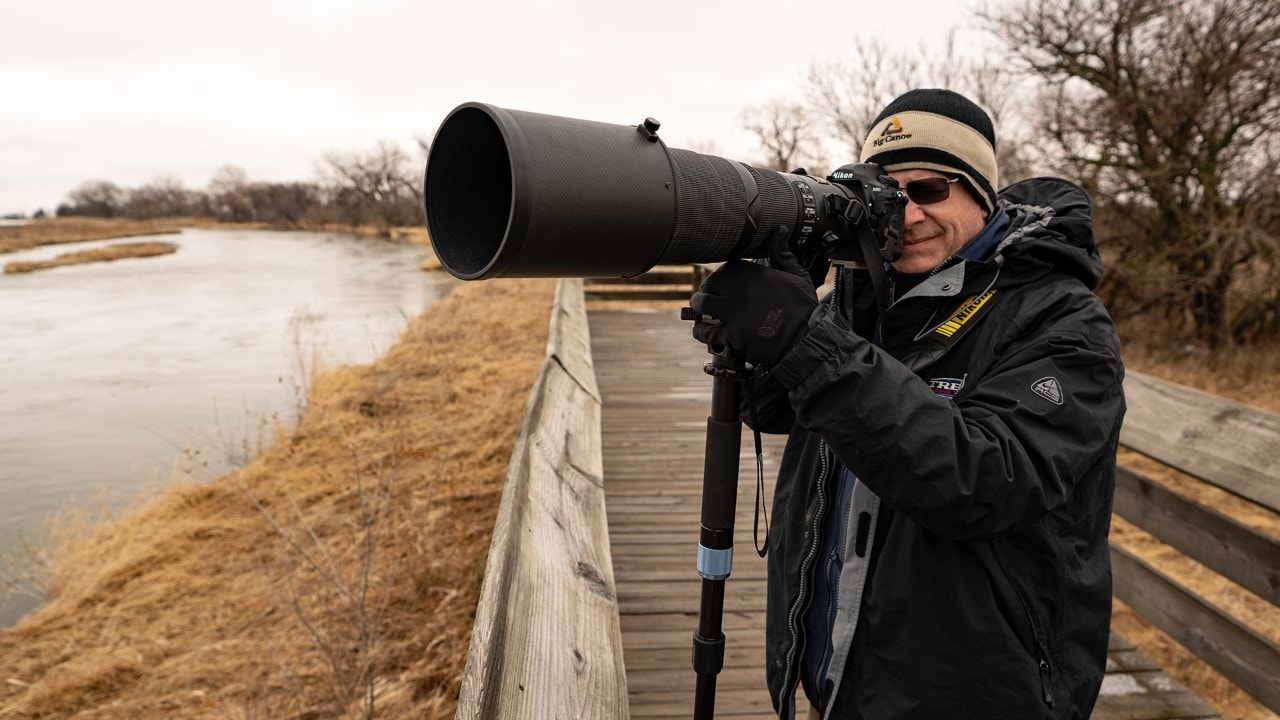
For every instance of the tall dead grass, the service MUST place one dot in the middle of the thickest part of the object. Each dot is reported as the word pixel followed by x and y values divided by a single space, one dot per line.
pixel 334 576
pixel 109 253
pixel 56 231
pixel 1248 374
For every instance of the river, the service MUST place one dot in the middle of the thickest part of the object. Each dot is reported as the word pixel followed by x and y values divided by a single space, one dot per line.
pixel 117 377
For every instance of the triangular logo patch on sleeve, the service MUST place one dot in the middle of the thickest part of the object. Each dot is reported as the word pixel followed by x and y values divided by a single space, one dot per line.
pixel 1049 389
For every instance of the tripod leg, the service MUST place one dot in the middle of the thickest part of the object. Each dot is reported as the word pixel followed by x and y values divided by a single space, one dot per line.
pixel 719 506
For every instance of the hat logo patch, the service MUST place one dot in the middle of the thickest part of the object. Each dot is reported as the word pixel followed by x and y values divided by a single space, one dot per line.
pixel 1049 389
pixel 892 132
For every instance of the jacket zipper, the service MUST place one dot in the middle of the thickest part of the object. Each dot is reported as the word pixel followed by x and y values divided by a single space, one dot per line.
pixel 833 599
pixel 1046 681
pixel 794 614
pixel 1046 670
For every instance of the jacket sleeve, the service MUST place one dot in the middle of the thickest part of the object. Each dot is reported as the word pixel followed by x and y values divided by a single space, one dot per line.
pixel 997 458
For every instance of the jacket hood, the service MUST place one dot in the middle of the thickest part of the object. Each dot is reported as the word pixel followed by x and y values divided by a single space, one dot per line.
pixel 1051 231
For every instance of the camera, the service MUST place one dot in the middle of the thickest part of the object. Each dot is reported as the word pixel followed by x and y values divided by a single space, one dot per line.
pixel 509 193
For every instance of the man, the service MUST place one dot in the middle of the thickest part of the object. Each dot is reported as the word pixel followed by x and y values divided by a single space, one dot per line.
pixel 939 547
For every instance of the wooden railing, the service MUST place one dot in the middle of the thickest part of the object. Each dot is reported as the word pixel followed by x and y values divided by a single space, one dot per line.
pixel 1231 446
pixel 546 641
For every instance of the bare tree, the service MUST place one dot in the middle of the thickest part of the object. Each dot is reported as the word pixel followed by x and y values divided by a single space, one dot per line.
pixel 95 198
pixel 846 95
pixel 163 197
pixel 228 195
pixel 286 204
pixel 379 186
pixel 785 133
pixel 999 89
pixel 1170 110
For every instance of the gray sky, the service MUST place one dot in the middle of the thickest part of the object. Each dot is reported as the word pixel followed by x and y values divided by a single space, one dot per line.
pixel 132 90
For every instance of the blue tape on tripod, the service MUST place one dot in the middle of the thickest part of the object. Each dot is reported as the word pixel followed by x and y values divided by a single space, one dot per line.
pixel 714 564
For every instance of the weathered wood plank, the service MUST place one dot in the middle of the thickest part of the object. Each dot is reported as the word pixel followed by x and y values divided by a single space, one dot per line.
pixel 1148 695
pixel 1234 447
pixel 640 292
pixel 661 274
pixel 1231 548
pixel 654 433
pixel 1222 442
pixel 647 573
pixel 1241 654
pixel 547 640
pixel 569 338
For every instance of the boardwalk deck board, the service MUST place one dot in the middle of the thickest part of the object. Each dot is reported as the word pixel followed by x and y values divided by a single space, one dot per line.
pixel 656 401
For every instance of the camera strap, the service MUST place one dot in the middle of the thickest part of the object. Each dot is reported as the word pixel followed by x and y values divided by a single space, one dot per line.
pixel 934 343
pixel 879 276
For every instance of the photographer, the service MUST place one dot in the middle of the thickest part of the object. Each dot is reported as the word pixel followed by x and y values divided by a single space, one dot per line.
pixel 939 546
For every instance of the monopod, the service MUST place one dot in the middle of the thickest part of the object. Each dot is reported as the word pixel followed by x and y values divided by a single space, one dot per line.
pixel 719 506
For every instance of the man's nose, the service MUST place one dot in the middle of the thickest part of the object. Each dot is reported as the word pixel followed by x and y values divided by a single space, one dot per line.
pixel 913 214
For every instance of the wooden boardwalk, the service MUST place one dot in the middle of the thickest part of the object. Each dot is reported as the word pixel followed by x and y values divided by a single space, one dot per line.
pixel 656 401
pixel 653 427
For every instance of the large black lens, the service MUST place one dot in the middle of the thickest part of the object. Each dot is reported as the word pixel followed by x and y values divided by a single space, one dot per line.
pixel 473 199
pixel 520 194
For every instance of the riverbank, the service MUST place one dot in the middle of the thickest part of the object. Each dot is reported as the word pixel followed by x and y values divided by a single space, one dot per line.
pixel 337 571
pixel 109 253
pixel 58 231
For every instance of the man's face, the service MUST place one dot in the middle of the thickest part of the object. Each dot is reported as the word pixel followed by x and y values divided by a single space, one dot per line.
pixel 936 231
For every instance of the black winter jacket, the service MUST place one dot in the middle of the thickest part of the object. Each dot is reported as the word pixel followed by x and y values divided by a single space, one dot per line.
pixel 989 586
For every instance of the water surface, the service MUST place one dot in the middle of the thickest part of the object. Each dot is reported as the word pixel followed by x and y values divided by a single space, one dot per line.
pixel 115 375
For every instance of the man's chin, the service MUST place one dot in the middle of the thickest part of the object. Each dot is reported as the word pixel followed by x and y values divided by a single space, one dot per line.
pixel 912 263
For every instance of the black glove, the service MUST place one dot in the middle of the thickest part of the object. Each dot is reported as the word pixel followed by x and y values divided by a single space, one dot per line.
pixel 759 312
pixel 817 271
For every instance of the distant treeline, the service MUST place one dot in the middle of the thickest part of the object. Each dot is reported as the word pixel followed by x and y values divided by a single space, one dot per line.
pixel 380 187
pixel 1167 112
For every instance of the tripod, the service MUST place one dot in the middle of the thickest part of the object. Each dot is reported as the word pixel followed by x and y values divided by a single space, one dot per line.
pixel 719 505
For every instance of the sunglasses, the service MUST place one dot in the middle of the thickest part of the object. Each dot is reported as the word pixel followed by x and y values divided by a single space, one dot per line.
pixel 928 191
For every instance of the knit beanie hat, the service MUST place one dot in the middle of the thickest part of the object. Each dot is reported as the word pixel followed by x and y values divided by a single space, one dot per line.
pixel 939 130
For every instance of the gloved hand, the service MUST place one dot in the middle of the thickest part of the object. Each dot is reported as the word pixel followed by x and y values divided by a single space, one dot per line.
pixel 758 311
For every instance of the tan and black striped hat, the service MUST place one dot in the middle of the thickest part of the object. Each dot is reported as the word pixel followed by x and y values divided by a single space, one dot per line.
pixel 941 130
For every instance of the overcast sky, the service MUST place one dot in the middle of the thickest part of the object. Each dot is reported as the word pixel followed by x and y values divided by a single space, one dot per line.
pixel 132 90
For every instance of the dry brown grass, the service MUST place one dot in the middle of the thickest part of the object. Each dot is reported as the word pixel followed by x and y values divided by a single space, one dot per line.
pixel 334 575
pixel 55 231
pixel 109 253
pixel 1247 375
pixel 414 235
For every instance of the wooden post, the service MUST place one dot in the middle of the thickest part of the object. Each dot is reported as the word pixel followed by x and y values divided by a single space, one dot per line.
pixel 546 640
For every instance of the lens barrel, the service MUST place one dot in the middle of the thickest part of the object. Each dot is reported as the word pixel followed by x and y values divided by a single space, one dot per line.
pixel 510 193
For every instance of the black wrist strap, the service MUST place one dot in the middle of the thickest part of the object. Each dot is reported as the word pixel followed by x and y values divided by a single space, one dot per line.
pixel 762 549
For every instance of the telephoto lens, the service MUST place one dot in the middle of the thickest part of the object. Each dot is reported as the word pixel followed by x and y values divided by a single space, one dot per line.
pixel 509 193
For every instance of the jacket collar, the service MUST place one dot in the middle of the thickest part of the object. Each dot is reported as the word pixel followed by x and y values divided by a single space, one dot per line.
pixel 947 279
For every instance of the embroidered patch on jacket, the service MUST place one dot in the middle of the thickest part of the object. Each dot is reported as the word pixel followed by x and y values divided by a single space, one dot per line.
pixel 946 387
pixel 1049 389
